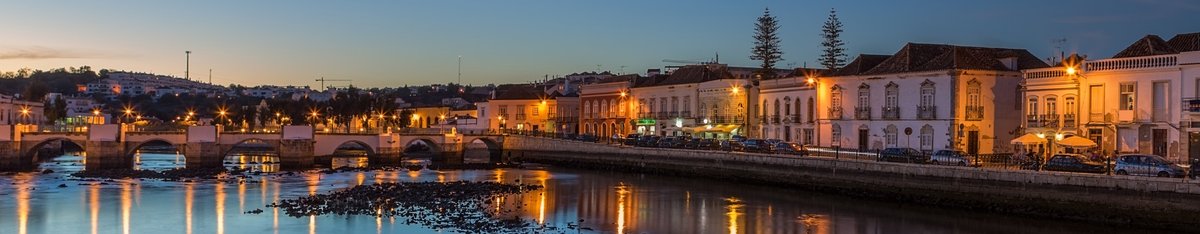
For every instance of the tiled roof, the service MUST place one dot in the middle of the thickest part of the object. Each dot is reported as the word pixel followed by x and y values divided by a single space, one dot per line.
pixel 808 71
pixel 695 74
pixel 518 92
pixel 1147 46
pixel 648 81
pixel 1185 42
pixel 615 79
pixel 863 63
pixel 931 57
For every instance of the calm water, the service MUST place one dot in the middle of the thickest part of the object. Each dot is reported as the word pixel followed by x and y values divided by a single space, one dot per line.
pixel 607 202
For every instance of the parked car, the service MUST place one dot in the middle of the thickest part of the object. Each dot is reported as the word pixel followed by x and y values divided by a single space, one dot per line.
pixel 1147 165
pixel 1074 163
pixel 648 141
pixel 756 146
pixel 908 155
pixel 773 142
pixel 952 158
pixel 631 139
pixel 790 148
pixel 669 142
pixel 691 143
pixel 738 138
pixel 708 144
pixel 587 138
pixel 732 145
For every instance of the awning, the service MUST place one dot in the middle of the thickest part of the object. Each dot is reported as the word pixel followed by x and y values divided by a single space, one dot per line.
pixel 1028 139
pixel 1075 141
pixel 726 128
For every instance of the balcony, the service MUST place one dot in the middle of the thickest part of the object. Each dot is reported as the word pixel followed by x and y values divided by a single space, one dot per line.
pixel 1033 121
pixel 1050 121
pixel 835 112
pixel 1191 105
pixel 863 113
pixel 685 114
pixel 774 119
pixel 926 112
pixel 974 113
pixel 1069 121
pixel 891 112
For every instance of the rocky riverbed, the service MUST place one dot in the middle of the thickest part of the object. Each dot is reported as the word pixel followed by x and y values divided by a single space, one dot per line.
pixel 460 206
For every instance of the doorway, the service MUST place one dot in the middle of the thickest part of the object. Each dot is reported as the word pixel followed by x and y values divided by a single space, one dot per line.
pixel 1160 142
pixel 973 142
pixel 863 138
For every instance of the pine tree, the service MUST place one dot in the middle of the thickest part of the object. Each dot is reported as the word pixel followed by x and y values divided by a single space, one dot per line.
pixel 766 43
pixel 833 56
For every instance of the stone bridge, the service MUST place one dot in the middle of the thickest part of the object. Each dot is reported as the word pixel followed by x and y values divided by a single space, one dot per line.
pixel 112 146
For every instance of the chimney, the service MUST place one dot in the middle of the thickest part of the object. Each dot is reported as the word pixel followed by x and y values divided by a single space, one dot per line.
pixel 653 72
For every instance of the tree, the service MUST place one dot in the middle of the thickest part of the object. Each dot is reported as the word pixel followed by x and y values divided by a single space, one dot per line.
pixel 55 109
pixel 766 43
pixel 833 55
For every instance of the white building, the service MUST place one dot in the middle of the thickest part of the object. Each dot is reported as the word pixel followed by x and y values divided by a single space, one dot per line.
pixel 667 106
pixel 1142 100
pixel 791 106
pixel 926 97
pixel 16 111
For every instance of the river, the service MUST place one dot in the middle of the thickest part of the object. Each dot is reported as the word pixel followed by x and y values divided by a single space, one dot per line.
pixel 607 202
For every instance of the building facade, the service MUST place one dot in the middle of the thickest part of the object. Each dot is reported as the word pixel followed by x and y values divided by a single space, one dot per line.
pixel 926 97
pixel 605 106
pixel 790 107
pixel 1142 100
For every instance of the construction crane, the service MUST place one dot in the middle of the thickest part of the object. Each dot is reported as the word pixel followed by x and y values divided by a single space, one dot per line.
pixel 322 80
pixel 681 61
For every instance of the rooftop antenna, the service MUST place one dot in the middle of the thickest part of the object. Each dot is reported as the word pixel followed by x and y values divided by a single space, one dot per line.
pixel 622 70
pixel 1058 44
pixel 210 76
pixel 717 57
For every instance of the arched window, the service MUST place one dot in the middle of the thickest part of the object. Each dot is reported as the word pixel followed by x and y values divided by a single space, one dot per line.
pixel 796 115
pixel 1051 105
pixel 811 107
pixel 603 109
pixel 927 138
pixel 927 91
pixel 892 95
pixel 890 136
pixel 864 96
pixel 787 106
pixel 775 111
pixel 687 106
pixel 835 103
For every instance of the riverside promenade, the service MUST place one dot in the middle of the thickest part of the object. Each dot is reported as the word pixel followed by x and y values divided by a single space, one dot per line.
pixel 1159 203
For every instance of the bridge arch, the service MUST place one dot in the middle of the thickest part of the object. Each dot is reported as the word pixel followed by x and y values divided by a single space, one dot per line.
pixel 30 153
pixel 370 149
pixel 133 149
pixel 434 147
pixel 494 149
pixel 229 148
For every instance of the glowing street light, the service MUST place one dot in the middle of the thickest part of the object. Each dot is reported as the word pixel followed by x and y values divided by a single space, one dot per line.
pixel 1071 71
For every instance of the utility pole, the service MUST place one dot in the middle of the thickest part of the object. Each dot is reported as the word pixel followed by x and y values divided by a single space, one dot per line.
pixel 460 70
pixel 188 66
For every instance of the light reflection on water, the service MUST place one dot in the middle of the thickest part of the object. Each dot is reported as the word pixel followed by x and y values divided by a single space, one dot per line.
pixel 605 202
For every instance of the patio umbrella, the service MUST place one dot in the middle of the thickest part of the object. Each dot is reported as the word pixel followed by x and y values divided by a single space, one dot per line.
pixel 1075 141
pixel 1028 139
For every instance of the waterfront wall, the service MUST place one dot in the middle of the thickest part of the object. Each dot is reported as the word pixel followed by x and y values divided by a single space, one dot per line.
pixel 1158 202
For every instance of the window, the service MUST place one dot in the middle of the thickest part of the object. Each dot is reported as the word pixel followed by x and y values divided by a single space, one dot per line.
pixel 535 109
pixel 551 111
pixel 836 133
pixel 1051 105
pixel 687 105
pixel 973 93
pixel 927 138
pixel 1033 106
pixel 864 96
pixel 835 98
pixel 892 95
pixel 621 108
pixel 787 106
pixel 504 111
pixel 808 136
pixel 891 136
pixel 520 112
pixel 927 89
pixel 674 104
pixel 810 110
pixel 775 112
pixel 1128 96
pixel 1069 105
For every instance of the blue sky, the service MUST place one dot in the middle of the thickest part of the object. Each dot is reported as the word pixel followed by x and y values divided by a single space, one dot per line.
pixel 393 43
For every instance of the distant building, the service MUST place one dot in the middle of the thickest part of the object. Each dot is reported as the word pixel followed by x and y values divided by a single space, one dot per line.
pixel 15 111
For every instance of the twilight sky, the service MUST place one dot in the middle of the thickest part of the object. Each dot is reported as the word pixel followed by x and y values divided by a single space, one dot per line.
pixel 393 43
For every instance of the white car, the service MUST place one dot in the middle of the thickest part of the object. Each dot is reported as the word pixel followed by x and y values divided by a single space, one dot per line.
pixel 952 158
